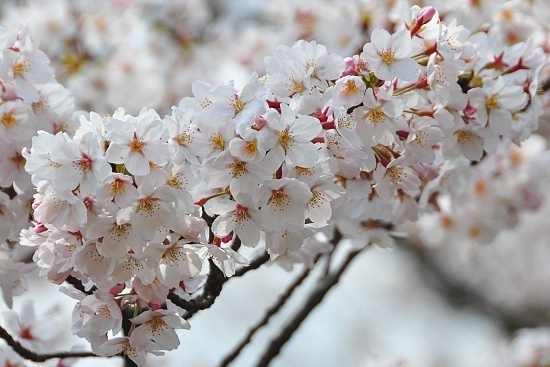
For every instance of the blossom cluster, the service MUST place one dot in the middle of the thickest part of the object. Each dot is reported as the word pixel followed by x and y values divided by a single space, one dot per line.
pixel 137 206
pixel 490 197
pixel 174 41
pixel 31 100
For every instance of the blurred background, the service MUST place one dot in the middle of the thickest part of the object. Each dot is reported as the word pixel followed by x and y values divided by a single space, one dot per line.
pixel 431 300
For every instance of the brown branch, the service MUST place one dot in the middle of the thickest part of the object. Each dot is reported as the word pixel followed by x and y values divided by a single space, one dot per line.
pixel 313 301
pixel 213 287
pixel 264 321
pixel 253 265
pixel 460 294
pixel 36 357
pixel 75 282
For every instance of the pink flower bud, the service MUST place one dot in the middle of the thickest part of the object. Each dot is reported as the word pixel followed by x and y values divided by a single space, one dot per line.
pixel 39 228
pixel 425 15
pixel 117 289
pixel 7 92
pixel 227 238
pixel 154 306
pixel 351 67
pixel 259 122
pixel 470 110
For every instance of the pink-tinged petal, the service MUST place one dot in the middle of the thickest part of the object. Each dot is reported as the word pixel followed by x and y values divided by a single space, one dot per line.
pixel 500 121
pixel 112 347
pixel 385 189
pixel 384 71
pixel 405 69
pixel 116 153
pixel 380 38
pixel 137 165
pixel 470 145
pixel 303 155
pixel 513 98
pixel 401 43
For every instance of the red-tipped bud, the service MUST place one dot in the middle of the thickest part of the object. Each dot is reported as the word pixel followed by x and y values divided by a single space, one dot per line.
pixel 154 306
pixel 7 92
pixel 469 110
pixel 228 238
pixel 351 67
pixel 279 173
pixel 402 134
pixel 274 104
pixel 117 289
pixel 259 122
pixel 424 16
pixel 39 228
pixel 328 125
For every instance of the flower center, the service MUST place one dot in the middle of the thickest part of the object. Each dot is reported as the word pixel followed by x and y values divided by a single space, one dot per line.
pixel 237 103
pixel 216 140
pixel 20 68
pixel 238 168
pixel 350 87
pixel 376 115
pixel 19 160
pixel 183 139
pixel 387 55
pixel 493 102
pixel 251 148
pixel 137 145
pixel 285 139
pixel 148 204
pixel 396 174
pixel 278 198
pixel 84 163
pixel 463 137
pixel 241 213
pixel 9 120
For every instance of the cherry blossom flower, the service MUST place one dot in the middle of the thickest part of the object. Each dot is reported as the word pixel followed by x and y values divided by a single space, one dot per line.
pixel 155 330
pixel 289 136
pixel 388 55
pixel 283 203
pixel 136 142
pixel 125 346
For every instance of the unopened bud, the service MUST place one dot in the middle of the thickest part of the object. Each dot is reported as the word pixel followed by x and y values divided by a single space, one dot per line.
pixel 117 289
pixel 259 122
pixel 424 16
pixel 228 238
pixel 7 92
pixel 469 110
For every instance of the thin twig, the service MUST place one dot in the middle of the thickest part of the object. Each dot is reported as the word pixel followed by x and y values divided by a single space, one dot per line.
pixel 272 311
pixel 253 265
pixel 36 357
pixel 75 282
pixel 213 288
pixel 460 294
pixel 313 301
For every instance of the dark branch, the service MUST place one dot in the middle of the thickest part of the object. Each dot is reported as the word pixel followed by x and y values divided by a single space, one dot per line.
pixel 460 294
pixel 35 357
pixel 213 288
pixel 253 265
pixel 313 301
pixel 272 311
pixel 75 282
pixel 546 85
